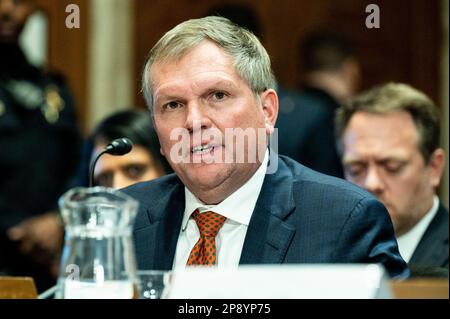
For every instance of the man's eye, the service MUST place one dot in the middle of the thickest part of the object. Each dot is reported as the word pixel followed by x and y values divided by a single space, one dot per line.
pixel 393 167
pixel 172 105
pixel 219 95
pixel 354 170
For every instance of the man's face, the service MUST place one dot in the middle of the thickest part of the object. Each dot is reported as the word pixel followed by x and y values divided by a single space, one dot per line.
pixel 381 154
pixel 13 15
pixel 203 93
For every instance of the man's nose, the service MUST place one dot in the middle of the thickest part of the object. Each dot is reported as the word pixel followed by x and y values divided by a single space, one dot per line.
pixel 196 118
pixel 373 182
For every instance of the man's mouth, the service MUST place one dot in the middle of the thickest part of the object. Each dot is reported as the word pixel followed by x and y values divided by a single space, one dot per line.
pixel 203 149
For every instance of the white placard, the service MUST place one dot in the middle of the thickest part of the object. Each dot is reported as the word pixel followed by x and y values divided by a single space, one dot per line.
pixel 110 289
pixel 321 281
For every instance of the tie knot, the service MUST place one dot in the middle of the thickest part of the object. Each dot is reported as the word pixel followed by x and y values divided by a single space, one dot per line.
pixel 208 223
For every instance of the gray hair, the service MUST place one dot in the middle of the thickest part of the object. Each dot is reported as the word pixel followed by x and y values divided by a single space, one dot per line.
pixel 395 97
pixel 250 59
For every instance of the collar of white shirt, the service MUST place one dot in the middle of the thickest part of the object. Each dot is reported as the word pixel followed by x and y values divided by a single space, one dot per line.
pixel 407 243
pixel 237 207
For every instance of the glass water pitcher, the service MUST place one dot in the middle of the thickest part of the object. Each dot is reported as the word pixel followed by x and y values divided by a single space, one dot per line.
pixel 98 259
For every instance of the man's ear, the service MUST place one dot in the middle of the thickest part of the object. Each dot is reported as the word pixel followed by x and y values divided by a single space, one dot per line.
pixel 269 102
pixel 436 165
pixel 152 118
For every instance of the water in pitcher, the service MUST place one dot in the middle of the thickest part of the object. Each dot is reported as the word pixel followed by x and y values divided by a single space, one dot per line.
pixel 98 259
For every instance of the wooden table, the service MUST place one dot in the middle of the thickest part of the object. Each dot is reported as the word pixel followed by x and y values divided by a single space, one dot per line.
pixel 421 288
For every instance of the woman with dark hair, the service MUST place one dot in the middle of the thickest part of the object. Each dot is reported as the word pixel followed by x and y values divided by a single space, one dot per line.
pixel 144 162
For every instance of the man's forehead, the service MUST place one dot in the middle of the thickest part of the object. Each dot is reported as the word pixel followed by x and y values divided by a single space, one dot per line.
pixel 382 136
pixel 382 156
pixel 167 76
pixel 391 126
pixel 198 81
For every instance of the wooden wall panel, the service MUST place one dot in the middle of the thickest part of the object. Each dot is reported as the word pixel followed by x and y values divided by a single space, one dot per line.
pixel 405 48
pixel 68 49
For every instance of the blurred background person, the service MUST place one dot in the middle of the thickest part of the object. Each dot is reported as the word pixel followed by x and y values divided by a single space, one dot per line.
pixel 240 14
pixel 306 120
pixel 390 146
pixel 39 142
pixel 330 66
pixel 144 162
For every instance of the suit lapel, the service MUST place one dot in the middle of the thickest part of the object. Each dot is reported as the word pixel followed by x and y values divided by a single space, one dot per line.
pixel 156 242
pixel 169 229
pixel 432 249
pixel 269 235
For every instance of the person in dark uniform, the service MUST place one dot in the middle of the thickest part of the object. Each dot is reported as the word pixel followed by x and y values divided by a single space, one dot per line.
pixel 39 143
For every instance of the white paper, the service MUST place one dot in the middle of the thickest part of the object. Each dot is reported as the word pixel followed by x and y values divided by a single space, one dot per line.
pixel 321 281
pixel 112 289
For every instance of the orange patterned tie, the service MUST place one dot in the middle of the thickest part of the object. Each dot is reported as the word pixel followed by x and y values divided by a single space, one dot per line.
pixel 204 251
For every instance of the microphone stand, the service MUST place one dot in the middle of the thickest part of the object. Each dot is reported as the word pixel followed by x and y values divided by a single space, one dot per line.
pixel 94 162
pixel 118 147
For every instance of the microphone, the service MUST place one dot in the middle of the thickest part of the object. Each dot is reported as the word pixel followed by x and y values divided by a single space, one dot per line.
pixel 118 147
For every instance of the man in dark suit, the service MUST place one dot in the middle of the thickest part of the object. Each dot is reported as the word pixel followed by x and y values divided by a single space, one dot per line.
pixel 306 130
pixel 331 74
pixel 390 146
pixel 232 201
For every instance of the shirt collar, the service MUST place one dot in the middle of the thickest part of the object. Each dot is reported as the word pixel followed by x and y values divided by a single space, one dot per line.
pixel 407 243
pixel 237 207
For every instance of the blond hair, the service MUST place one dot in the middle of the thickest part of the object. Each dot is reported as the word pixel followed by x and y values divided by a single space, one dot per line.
pixel 250 59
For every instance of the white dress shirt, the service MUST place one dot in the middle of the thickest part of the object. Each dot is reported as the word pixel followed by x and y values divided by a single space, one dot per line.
pixel 407 243
pixel 237 208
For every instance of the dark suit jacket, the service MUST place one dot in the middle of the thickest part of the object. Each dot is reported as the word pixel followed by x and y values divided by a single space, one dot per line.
pixel 432 250
pixel 301 216
pixel 306 129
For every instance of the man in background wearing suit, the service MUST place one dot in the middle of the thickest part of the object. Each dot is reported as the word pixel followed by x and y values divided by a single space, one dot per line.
pixel 331 74
pixel 209 76
pixel 390 146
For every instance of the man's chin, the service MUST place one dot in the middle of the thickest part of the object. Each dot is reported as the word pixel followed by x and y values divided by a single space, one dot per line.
pixel 207 176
